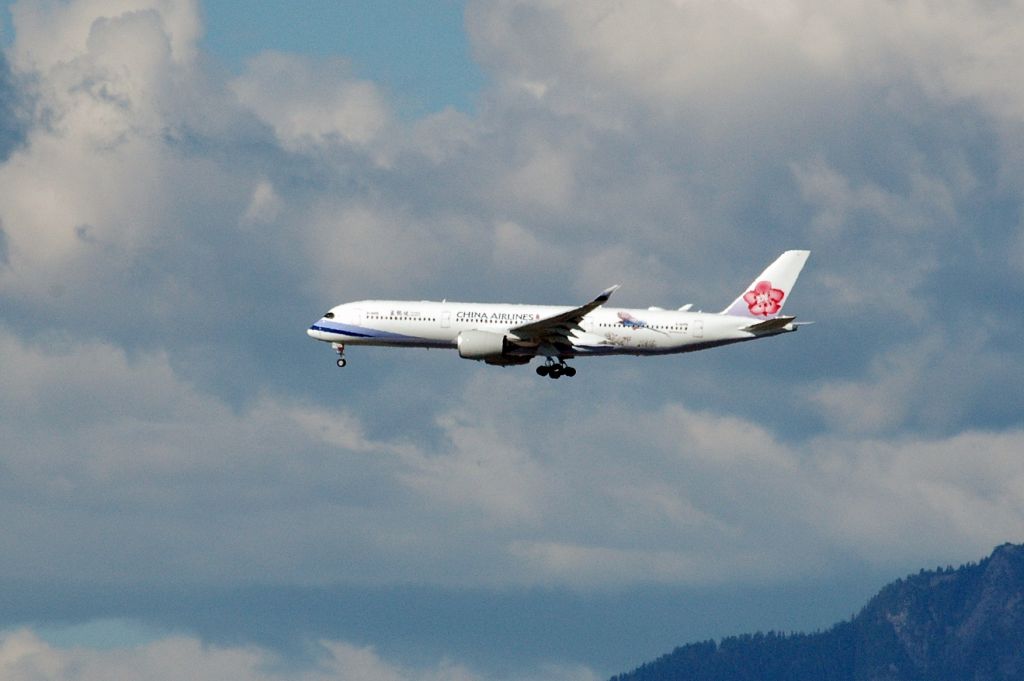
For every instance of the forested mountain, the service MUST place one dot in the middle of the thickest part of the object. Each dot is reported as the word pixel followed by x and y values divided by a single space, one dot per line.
pixel 964 624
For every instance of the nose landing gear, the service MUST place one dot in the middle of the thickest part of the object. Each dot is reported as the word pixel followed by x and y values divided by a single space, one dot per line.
pixel 553 369
pixel 340 349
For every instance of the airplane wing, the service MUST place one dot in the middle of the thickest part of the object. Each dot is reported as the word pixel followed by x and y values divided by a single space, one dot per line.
pixel 556 329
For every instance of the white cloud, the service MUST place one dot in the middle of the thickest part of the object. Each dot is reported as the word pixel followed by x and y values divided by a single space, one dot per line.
pixel 166 226
pixel 596 58
pixel 964 51
pixel 102 180
pixel 265 205
pixel 918 493
pixel 544 178
pixel 640 274
pixel 590 566
pixel 309 104
pixel 136 461
pixel 930 205
pixel 142 473
pixel 517 249
pixel 361 245
pixel 881 403
pixel 644 152
pixel 26 657
pixel 483 470
pixel 48 34
pixel 672 54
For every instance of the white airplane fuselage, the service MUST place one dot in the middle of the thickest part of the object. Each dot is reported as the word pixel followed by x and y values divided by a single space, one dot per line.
pixel 427 324
pixel 507 334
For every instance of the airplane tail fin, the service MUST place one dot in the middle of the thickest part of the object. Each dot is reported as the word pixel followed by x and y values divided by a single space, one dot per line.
pixel 766 295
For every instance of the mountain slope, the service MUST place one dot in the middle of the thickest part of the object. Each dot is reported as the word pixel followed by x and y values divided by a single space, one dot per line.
pixel 944 625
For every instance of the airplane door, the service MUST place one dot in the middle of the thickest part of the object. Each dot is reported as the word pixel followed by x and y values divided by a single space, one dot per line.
pixel 446 320
pixel 697 328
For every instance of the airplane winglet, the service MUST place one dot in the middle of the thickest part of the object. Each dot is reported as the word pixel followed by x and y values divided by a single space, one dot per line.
pixel 562 324
pixel 606 294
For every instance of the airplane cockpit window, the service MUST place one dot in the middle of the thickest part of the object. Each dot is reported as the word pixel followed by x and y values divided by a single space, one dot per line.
pixel 329 315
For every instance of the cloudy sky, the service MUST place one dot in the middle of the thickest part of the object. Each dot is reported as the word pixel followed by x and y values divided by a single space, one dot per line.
pixel 191 490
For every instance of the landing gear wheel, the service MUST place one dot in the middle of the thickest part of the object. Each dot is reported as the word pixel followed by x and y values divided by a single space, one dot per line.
pixel 553 369
pixel 340 349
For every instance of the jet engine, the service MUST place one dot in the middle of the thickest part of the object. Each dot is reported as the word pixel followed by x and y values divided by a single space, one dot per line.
pixel 493 348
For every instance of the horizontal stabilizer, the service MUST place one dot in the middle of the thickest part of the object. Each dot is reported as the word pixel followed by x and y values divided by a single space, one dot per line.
pixel 776 324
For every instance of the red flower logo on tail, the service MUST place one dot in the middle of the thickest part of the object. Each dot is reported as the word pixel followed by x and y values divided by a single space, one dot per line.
pixel 764 300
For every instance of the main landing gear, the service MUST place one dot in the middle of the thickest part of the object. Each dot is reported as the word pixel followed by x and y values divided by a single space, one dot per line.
pixel 340 349
pixel 553 369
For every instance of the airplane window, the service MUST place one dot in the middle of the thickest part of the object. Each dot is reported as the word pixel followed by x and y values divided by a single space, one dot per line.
pixel 329 315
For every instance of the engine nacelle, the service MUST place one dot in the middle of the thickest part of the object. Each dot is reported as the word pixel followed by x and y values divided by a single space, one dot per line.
pixel 484 345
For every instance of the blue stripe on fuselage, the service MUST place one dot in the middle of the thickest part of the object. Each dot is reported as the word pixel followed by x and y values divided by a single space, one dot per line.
pixel 362 332
pixel 340 331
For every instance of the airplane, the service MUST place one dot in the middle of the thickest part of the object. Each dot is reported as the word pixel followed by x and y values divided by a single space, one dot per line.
pixel 511 334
